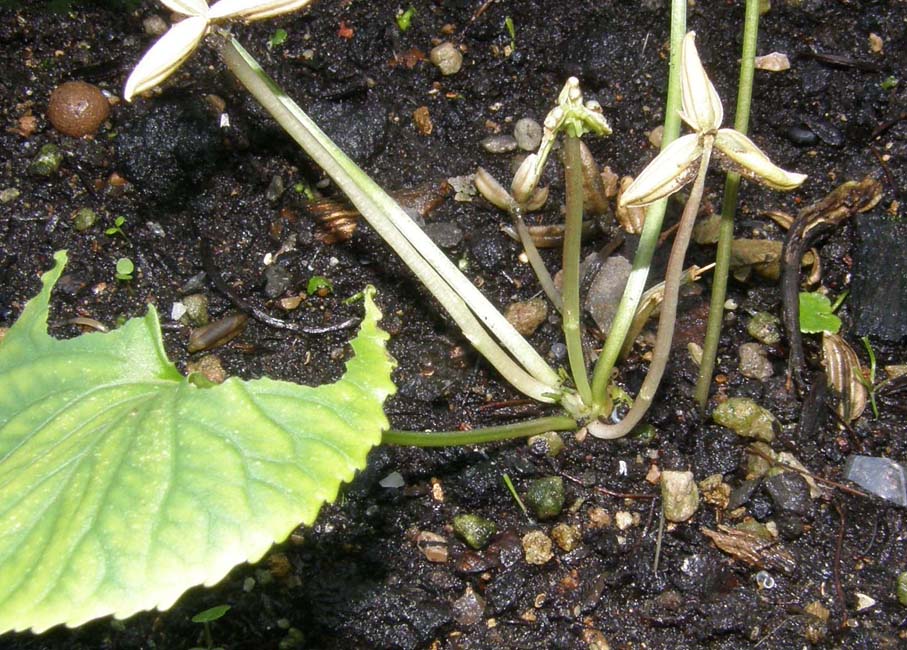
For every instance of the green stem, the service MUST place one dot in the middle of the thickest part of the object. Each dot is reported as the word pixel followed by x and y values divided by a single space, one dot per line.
pixel 728 208
pixel 673 277
pixel 573 232
pixel 535 260
pixel 651 230
pixel 456 293
pixel 479 436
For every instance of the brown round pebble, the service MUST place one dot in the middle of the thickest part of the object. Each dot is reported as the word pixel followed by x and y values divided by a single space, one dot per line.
pixel 77 108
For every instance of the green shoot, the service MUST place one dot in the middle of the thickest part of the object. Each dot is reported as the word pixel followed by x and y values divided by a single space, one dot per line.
pixel 870 383
pixel 320 285
pixel 206 618
pixel 278 38
pixel 124 269
pixel 817 314
pixel 117 228
pixel 511 31
pixel 516 497
pixel 728 208
pixel 890 83
pixel 405 18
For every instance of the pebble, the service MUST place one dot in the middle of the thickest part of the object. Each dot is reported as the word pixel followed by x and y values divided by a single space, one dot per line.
pixel 422 120
pixel 774 62
pixel 746 418
pixel 9 194
pixel 500 143
pixel 444 233
pixel 275 189
pixel 277 280
pixel 196 313
pixel 527 133
pixel 433 546
pixel 567 537
pixel 679 495
pixel 447 58
pixel 526 316
pixel 468 608
pixel 765 328
pixel 546 497
pixel 828 133
pixel 606 290
pixel 210 367
pixel 154 25
pixel 77 108
pixel 595 639
pixel 218 333
pixel 789 492
pixel 753 362
pixel 864 601
pixel 537 547
pixel 548 444
pixel 84 219
pixel 801 137
pixel 476 531
pixel 902 588
pixel 47 162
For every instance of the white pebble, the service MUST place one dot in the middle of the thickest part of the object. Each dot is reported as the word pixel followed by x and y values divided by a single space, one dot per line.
pixel 447 58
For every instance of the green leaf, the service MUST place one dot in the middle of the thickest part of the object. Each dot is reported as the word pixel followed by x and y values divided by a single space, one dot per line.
pixel 816 314
pixel 122 484
pixel 210 615
pixel 317 283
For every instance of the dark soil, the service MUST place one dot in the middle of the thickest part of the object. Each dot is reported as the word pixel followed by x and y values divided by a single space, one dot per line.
pixel 357 579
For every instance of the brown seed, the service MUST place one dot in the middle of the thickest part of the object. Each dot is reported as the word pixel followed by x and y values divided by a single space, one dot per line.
pixel 77 108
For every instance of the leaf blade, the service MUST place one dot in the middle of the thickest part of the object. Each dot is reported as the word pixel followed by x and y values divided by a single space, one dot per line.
pixel 122 484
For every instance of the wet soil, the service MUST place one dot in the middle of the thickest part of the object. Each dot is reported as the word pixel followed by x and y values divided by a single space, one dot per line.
pixel 358 579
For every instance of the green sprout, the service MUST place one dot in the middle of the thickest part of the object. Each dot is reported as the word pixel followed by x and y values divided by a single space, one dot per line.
pixel 117 228
pixel 206 618
pixel 511 31
pixel 124 269
pixel 405 18
pixel 817 314
pixel 889 83
pixel 320 285
pixel 869 383
pixel 278 38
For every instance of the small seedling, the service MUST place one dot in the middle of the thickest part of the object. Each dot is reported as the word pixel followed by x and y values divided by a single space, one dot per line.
pixel 817 314
pixel 278 38
pixel 124 269
pixel 117 228
pixel 320 285
pixel 889 83
pixel 405 18
pixel 870 382
pixel 206 618
pixel 511 31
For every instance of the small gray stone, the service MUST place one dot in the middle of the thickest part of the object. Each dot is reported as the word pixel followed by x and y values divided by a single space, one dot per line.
pixel 277 281
pixel 546 497
pixel 468 608
pixel 528 134
pixel 474 530
pixel 499 144
pixel 154 25
pixel 789 492
pixel 753 362
pixel 764 327
pixel 447 58
pixel 679 495
pixel 526 316
pixel 275 189
pixel 444 234
pixel 606 290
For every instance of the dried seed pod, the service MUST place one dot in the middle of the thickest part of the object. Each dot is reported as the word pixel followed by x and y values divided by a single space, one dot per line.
pixel 631 219
pixel 844 373
pixel 218 333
